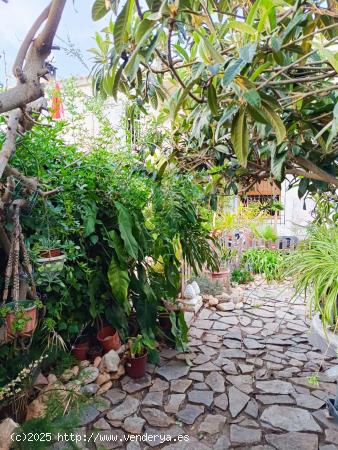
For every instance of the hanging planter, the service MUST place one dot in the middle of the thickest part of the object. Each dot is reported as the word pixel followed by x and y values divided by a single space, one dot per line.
pixel 20 316
pixel 50 256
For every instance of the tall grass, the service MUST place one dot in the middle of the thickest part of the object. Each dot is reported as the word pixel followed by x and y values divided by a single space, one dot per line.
pixel 314 267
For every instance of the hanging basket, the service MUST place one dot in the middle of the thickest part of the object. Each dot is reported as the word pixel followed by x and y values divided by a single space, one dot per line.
pixel 52 263
pixel 21 320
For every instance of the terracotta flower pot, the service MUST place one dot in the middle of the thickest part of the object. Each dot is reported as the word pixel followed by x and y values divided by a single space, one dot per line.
pixel 80 348
pixel 30 312
pixel 109 338
pixel 136 367
pixel 51 253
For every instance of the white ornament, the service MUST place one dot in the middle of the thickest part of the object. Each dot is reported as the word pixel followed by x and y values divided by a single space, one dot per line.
pixel 196 287
pixel 189 292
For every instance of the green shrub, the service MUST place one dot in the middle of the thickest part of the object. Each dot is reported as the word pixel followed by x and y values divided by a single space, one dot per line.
pixel 241 276
pixel 265 261
pixel 314 266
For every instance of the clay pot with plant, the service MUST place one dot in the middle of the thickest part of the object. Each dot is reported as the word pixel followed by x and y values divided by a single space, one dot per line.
pixel 136 357
pixel 80 348
pixel 109 338
pixel 20 317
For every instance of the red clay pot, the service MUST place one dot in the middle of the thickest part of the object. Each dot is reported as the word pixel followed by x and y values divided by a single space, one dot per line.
pixel 221 275
pixel 109 339
pixel 136 367
pixel 30 312
pixel 80 350
pixel 51 253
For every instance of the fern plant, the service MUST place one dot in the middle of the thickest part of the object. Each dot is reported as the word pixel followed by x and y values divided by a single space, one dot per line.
pixel 314 267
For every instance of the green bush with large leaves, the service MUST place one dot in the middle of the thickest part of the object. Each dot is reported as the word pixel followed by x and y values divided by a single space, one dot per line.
pixel 109 216
pixel 249 87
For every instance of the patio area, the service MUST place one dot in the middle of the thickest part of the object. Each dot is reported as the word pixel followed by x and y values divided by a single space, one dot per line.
pixel 246 386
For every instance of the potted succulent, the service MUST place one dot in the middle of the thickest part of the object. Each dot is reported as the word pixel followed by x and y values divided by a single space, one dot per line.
pixel 20 317
pixel 109 338
pixel 136 358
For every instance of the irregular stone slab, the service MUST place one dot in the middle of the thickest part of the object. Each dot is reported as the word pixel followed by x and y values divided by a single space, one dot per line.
pixel 231 320
pixel 196 376
pixel 252 408
pixel 201 397
pixel 159 385
pixel 191 444
pixel 242 435
pixel 190 413
pixel 246 368
pixel 293 440
pixel 227 306
pixel 252 344
pixel 212 424
pixel 201 359
pixel 180 385
pixel 204 324
pixel 153 399
pixel 234 334
pixel 88 415
pixel 215 381
pixel 115 396
pixel 134 424
pixel 275 387
pixel 222 443
pixel 174 403
pixel 128 407
pixel 131 385
pixel 308 401
pixel 260 312
pixel 237 401
pixel 221 401
pixel 331 435
pixel 232 343
pixel 157 437
pixel 109 439
pixel 173 370
pixel 244 321
pixel 201 386
pixel 295 355
pixel 229 368
pixel 207 367
pixel 156 417
pixel 290 419
pixel 220 326
pixel 101 424
pixel 275 399
pixel 233 354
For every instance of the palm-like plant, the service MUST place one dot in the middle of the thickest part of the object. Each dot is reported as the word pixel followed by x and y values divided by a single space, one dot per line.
pixel 314 267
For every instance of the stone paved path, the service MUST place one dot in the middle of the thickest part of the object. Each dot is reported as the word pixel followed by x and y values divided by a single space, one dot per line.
pixel 247 387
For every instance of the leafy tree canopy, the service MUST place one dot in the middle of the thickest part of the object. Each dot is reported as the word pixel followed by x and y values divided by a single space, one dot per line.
pixel 249 87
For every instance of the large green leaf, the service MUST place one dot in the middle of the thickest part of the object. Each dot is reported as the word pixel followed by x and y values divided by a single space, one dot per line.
pixel 212 99
pixel 100 9
pixel 278 157
pixel 275 121
pixel 119 282
pixel 142 34
pixel 117 244
pixel 122 24
pixel 126 224
pixel 242 27
pixel 240 137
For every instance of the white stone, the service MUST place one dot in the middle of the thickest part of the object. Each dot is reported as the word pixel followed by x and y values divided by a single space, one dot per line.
pixel 110 361
pixel 196 288
pixel 189 292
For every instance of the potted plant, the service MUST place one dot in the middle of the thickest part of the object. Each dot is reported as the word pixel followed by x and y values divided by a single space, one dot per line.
pixel 49 254
pixel 80 348
pixel 314 269
pixel 49 248
pixel 109 338
pixel 136 358
pixel 20 317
